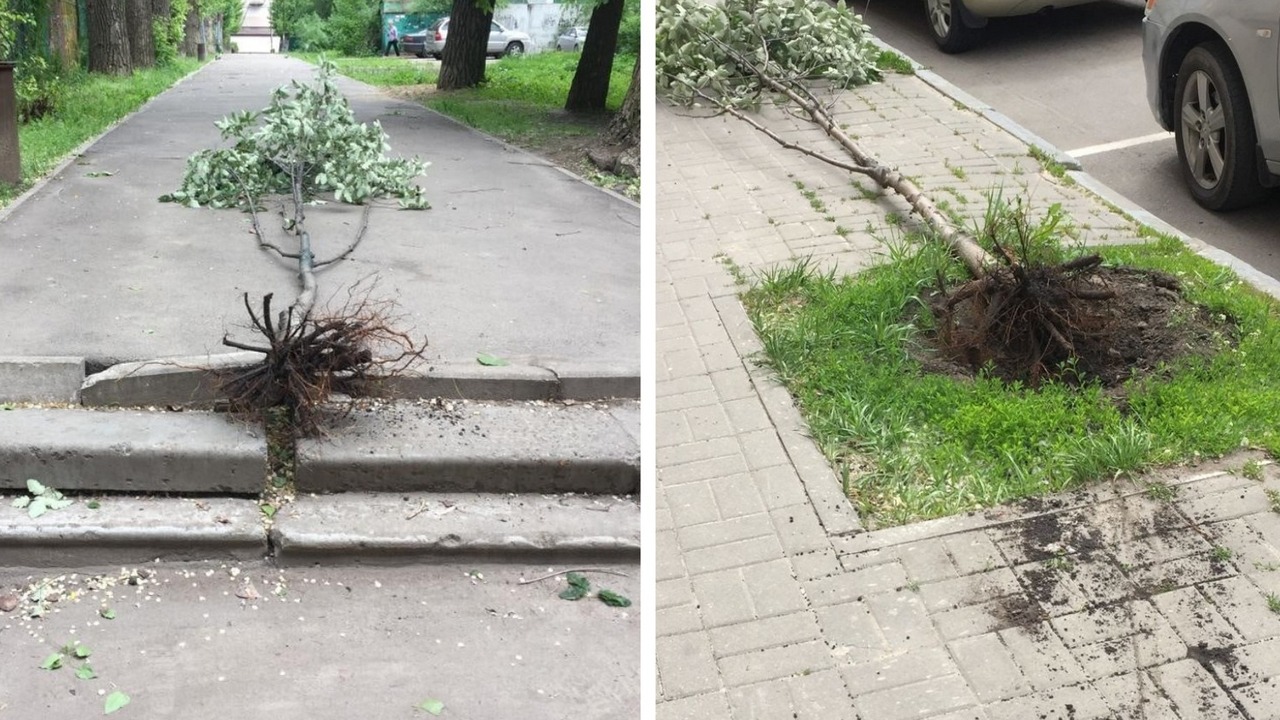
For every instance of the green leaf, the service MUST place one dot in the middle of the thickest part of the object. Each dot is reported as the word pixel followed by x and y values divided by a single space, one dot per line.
pixel 613 599
pixel 268 509
pixel 431 705
pixel 93 504
pixel 81 652
pixel 37 508
pixel 84 672
pixel 115 701
pixel 53 662
pixel 573 593
pixel 34 487
pixel 490 360
pixel 107 614
pixel 578 580
pixel 22 502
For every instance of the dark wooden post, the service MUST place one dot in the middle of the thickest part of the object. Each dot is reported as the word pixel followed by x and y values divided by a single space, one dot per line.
pixel 10 160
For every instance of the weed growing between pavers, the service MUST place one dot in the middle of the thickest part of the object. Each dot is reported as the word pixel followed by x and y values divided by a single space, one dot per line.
pixel 855 352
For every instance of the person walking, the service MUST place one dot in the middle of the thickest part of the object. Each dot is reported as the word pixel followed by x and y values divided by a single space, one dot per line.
pixel 393 39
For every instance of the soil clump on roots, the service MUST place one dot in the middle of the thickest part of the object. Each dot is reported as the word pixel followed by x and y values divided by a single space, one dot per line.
pixel 1076 322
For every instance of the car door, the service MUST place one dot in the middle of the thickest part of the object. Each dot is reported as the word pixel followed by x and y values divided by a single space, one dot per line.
pixel 497 39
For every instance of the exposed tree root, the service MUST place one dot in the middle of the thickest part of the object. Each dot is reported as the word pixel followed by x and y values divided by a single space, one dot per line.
pixel 309 357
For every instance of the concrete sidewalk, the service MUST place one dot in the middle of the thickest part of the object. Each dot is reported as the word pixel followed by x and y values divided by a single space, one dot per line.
pixel 205 641
pixel 774 602
pixel 517 258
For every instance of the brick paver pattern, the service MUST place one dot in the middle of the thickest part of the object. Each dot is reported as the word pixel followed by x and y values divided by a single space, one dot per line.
pixel 1117 602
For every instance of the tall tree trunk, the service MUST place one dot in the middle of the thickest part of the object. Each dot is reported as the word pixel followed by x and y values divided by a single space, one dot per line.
pixel 590 88
pixel 464 49
pixel 191 33
pixel 108 40
pixel 624 129
pixel 142 46
pixel 63 33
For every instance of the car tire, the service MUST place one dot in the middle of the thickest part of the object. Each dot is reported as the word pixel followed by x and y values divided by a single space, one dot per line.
pixel 421 54
pixel 948 27
pixel 514 48
pixel 1213 127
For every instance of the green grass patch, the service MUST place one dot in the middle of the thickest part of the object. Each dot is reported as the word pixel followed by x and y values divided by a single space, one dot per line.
pixel 942 445
pixel 890 61
pixel 91 104
pixel 523 97
pixel 380 71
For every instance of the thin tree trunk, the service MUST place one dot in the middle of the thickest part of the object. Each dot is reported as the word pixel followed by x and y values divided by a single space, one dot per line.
pixel 590 88
pixel 108 40
pixel 965 247
pixel 464 50
pixel 142 48
pixel 191 32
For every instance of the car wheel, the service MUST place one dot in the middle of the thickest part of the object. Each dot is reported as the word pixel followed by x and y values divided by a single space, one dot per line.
pixel 514 48
pixel 1213 126
pixel 421 54
pixel 946 22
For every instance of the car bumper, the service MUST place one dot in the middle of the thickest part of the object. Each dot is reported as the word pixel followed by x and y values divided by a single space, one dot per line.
pixel 1013 8
pixel 1153 37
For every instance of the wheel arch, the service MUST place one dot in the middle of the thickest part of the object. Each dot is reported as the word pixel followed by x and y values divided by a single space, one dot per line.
pixel 1180 42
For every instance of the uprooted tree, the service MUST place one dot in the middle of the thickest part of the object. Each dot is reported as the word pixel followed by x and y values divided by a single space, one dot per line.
pixel 306 144
pixel 737 55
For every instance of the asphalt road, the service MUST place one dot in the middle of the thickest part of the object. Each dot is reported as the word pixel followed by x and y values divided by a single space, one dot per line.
pixel 1075 78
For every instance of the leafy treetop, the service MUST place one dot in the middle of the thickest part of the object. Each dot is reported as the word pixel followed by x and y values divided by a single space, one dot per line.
pixel 702 50
pixel 309 131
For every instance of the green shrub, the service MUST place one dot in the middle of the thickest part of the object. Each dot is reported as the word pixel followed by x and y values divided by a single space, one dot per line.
pixel 39 87
pixel 167 35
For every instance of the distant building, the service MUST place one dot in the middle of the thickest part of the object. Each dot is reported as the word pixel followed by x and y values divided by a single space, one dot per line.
pixel 256 35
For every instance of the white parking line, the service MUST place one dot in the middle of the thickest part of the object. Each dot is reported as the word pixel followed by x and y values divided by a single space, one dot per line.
pixel 1119 144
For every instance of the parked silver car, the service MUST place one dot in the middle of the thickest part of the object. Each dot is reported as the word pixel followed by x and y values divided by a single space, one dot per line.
pixel 1213 68
pixel 501 40
pixel 572 39
pixel 957 24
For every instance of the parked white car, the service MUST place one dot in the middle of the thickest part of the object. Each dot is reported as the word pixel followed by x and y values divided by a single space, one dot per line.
pixel 1213 78
pixel 430 42
pixel 957 24
pixel 572 40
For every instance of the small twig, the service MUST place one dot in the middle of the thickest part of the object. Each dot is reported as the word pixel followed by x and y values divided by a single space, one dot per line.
pixel 364 225
pixel 566 572
pixel 422 507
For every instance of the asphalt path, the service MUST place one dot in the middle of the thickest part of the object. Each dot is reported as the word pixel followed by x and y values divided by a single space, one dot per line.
pixel 1075 78
pixel 516 257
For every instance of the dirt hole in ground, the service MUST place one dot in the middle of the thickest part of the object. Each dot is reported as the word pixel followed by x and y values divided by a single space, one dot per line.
pixel 1077 322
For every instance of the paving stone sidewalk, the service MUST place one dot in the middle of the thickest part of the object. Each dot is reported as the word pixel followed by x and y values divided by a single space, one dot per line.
pixel 773 602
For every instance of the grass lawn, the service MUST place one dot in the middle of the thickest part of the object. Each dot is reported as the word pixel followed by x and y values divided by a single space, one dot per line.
pixel 91 104
pixel 912 445
pixel 522 102
pixel 380 71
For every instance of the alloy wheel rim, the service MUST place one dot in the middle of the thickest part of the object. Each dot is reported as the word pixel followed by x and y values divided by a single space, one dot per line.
pixel 1204 136
pixel 940 17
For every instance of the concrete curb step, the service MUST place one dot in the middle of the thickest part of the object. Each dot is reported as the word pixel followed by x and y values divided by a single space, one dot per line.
pixel 479 447
pixel 193 381
pixel 366 527
pixel 347 528
pixel 456 446
pixel 131 451
pixel 132 530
